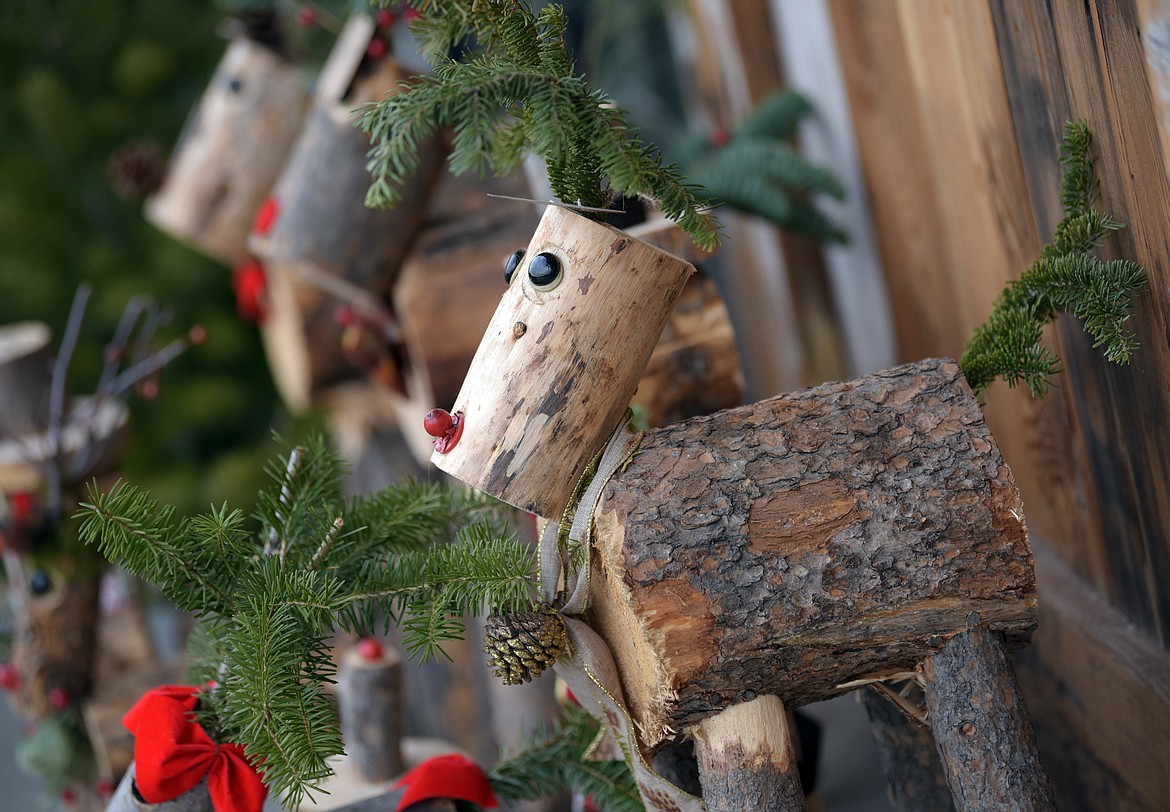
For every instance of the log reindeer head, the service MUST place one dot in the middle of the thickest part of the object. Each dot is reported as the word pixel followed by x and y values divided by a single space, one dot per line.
pixel 560 360
pixel 231 151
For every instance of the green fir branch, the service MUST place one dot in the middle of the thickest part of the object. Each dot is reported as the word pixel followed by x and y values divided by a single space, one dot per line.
pixel 192 562
pixel 1066 279
pixel 517 95
pixel 557 761
pixel 758 170
pixel 269 593
pixel 428 591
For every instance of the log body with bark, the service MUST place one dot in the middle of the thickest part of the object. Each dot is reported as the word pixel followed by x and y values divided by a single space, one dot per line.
pixel 798 545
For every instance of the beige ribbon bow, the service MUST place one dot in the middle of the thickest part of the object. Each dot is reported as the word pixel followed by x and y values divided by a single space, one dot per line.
pixel 588 667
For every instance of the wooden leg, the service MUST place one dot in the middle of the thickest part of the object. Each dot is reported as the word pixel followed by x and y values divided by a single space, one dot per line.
pixel 746 759
pixel 914 776
pixel 981 726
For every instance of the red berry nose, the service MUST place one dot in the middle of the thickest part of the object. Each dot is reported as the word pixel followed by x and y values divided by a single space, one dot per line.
pixel 438 422
pixel 369 649
pixel 59 698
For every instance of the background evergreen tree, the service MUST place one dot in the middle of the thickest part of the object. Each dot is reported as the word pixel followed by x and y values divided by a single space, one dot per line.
pixel 81 81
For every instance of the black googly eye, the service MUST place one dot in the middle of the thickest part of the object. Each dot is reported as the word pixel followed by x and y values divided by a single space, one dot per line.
pixel 511 264
pixel 235 85
pixel 40 583
pixel 544 271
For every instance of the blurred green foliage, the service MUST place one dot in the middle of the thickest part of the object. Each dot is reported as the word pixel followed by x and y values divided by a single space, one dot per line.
pixel 78 80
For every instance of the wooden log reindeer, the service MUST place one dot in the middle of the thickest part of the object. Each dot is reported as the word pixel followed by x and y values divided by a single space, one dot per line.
pixel 759 558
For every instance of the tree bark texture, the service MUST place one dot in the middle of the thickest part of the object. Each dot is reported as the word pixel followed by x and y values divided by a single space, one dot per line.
pixel 26 368
pixel 793 546
pixel 914 777
pixel 369 697
pixel 325 247
pixel 747 761
pixel 981 726
pixel 557 367
pixel 231 151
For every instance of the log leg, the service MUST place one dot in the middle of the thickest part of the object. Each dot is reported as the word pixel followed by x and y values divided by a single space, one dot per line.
pixel 981 726
pixel 914 776
pixel 746 759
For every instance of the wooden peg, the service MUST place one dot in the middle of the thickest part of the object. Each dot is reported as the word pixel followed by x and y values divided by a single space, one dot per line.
pixel 369 697
pixel 746 759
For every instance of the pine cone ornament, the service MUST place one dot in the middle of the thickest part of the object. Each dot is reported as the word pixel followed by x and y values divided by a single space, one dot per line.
pixel 522 646
pixel 137 170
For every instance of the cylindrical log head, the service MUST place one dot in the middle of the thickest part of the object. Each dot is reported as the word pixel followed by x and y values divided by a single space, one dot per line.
pixel 26 370
pixel 798 545
pixel 231 151
pixel 321 245
pixel 540 401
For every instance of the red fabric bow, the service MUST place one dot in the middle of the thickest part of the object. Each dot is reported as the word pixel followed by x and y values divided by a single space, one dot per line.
pixel 451 776
pixel 172 754
pixel 250 284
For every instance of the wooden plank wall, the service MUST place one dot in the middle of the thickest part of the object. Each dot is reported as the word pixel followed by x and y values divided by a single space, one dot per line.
pixel 958 107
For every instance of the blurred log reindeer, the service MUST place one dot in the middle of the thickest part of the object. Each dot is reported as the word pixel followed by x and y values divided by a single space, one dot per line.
pixel 51 443
pixel 767 556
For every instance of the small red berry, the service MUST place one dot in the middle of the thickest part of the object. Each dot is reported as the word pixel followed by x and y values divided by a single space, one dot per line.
pixel 23 504
pixel 68 795
pixel 197 335
pixel 307 17
pixel 410 15
pixel 148 388
pixel 369 649
pixel 104 788
pixel 9 676
pixel 59 698
pixel 250 285
pixel 345 316
pixel 265 216
pixel 719 137
pixel 377 49
pixel 385 18
pixel 438 422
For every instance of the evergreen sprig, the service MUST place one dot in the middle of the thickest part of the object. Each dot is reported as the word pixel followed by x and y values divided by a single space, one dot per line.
pixel 557 761
pixel 758 170
pixel 1066 278
pixel 269 593
pixel 518 94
